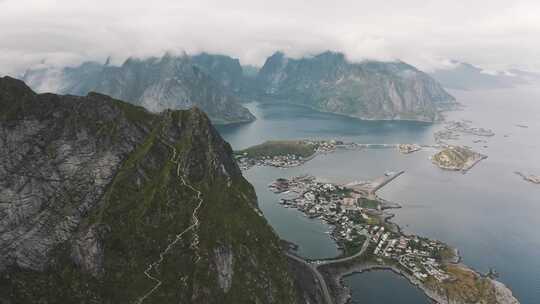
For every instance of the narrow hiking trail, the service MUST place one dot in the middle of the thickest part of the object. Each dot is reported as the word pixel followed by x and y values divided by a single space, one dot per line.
pixel 193 227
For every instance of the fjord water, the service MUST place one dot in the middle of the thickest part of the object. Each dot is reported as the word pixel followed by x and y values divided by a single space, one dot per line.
pixel 490 214
pixel 394 289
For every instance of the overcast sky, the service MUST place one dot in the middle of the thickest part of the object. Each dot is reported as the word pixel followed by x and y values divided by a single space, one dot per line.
pixel 490 33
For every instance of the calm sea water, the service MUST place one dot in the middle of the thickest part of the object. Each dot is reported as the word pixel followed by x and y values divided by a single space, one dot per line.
pixel 362 285
pixel 490 214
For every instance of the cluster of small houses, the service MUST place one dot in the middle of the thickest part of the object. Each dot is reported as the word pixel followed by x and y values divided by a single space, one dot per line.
pixel 287 160
pixel 334 204
pixel 339 206
pixel 280 161
pixel 325 146
pixel 413 253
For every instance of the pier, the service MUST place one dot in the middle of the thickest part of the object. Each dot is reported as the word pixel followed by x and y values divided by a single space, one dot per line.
pixel 370 187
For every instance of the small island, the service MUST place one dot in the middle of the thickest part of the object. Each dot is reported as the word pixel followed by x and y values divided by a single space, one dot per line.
pixel 453 130
pixel 531 178
pixel 370 241
pixel 408 148
pixel 457 158
pixel 293 153
pixel 283 153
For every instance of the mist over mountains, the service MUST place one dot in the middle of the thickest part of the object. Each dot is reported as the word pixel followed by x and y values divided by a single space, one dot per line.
pixel 465 76
pixel 367 90
pixel 169 82
pixel 218 84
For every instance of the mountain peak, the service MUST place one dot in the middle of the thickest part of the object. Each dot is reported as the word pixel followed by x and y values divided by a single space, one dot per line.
pixel 13 93
pixel 116 190
pixel 175 82
pixel 331 55
pixel 8 83
pixel 368 90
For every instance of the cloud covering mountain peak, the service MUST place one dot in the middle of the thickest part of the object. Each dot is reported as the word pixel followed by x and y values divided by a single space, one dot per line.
pixel 495 34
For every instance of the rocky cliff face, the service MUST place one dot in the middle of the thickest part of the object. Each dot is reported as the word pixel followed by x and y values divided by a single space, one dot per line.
pixel 170 82
pixel 226 70
pixel 235 78
pixel 367 90
pixel 104 202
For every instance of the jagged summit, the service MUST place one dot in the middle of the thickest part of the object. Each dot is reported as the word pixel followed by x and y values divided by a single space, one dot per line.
pixel 9 85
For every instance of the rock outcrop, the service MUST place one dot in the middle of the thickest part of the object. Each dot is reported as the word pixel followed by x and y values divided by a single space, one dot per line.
pixel 367 90
pixel 104 202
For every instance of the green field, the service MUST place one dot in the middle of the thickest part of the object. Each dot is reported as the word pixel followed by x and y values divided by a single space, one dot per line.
pixel 354 246
pixel 368 203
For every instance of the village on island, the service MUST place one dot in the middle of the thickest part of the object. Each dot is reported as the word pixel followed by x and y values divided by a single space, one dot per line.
pixel 357 216
pixel 294 153
pixel 451 157
pixel 368 240
pixel 360 221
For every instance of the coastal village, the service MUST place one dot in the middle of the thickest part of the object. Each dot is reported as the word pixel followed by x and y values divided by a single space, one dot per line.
pixel 359 220
pixel 284 154
pixel 357 216
pixel 288 154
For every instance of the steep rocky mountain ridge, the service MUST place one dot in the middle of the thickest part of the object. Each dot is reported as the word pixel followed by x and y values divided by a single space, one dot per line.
pixel 217 83
pixel 99 203
pixel 367 90
pixel 169 82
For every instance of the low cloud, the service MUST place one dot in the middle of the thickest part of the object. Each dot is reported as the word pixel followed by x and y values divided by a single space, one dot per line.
pixel 493 34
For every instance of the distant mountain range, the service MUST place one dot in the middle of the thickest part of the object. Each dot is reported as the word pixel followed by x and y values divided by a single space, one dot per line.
pixel 465 76
pixel 170 82
pixel 367 90
pixel 217 84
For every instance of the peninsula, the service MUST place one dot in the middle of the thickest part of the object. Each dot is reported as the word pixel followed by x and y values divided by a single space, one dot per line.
pixel 369 240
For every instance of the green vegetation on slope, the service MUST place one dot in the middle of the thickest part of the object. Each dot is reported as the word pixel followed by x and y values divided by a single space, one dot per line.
pixel 147 205
pixel 456 158
pixel 465 287
pixel 368 203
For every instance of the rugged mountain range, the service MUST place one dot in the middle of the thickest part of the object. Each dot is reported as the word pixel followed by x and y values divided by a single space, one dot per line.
pixel 104 202
pixel 465 76
pixel 367 90
pixel 169 82
pixel 217 83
